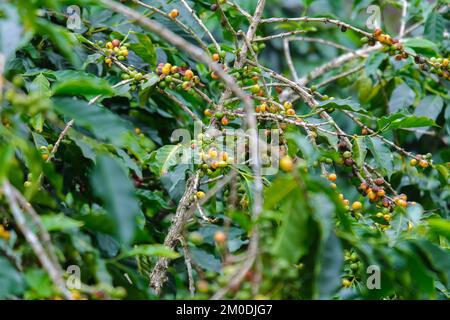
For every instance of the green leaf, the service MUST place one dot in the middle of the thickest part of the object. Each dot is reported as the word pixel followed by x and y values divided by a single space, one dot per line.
pixel 359 151
pixel 39 284
pixel 342 104
pixel 82 84
pixel 62 38
pixel 373 62
pixel 412 122
pixel 60 222
pixel 401 98
pixel 145 49
pixel 205 260
pixel 101 121
pixel 11 281
pixel 444 174
pixel 438 257
pixel 440 226
pixel 400 120
pixel 41 85
pixel 152 250
pixel 423 46
pixel 331 260
pixel 292 237
pixel 430 107
pixel 117 192
pixel 381 153
pixel 164 158
pixel 434 27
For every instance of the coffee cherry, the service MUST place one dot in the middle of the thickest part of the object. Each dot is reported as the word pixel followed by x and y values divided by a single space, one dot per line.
pixel 208 113
pixel 109 45
pixel 224 121
pixel 255 89
pixel 115 43
pixel 349 162
pixel 4 234
pixel 346 283
pixel 356 205
pixel 343 28
pixel 287 105
pixel 224 156
pixel 189 74
pixel 364 131
pixel 377 32
pixel 215 57
pixel 290 112
pixel 381 193
pixel 213 7
pixel 346 202
pixel 212 153
pixel 401 203
pixel 379 181
pixel 423 163
pixel 174 13
pixel 200 194
pixel 214 75
pixel 286 164
pixel 347 154
pixel 220 237
pixel 203 286
pixel 166 69
pixel 413 162
pixel 332 177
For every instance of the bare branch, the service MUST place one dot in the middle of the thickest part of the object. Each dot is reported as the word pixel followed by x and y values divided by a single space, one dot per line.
pixel 52 268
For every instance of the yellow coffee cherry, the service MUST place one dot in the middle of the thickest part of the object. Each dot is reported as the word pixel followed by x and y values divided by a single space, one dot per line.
pixel 356 205
pixel 286 164
pixel 200 194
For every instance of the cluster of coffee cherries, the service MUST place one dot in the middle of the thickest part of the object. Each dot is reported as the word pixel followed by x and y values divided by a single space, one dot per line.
pixel 441 67
pixel 390 45
pixel 176 77
pixel 223 117
pixel 422 161
pixel 213 161
pixel 248 76
pixel 115 50
pixel 136 76
pixel 218 57
pixel 45 151
pixel 4 234
pixel 352 267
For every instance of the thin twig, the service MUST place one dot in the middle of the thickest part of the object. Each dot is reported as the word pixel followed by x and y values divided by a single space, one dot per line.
pixel 187 260
pixel 54 270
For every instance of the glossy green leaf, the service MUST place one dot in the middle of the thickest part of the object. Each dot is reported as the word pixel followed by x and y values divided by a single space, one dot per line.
pixel 117 193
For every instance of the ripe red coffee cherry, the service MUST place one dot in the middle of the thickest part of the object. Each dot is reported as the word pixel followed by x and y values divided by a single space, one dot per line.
pixel 115 43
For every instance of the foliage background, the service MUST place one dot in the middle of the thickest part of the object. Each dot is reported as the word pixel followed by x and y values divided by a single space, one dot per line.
pixel 107 206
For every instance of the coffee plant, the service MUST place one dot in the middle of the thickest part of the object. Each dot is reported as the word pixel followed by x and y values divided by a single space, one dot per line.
pixel 224 149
